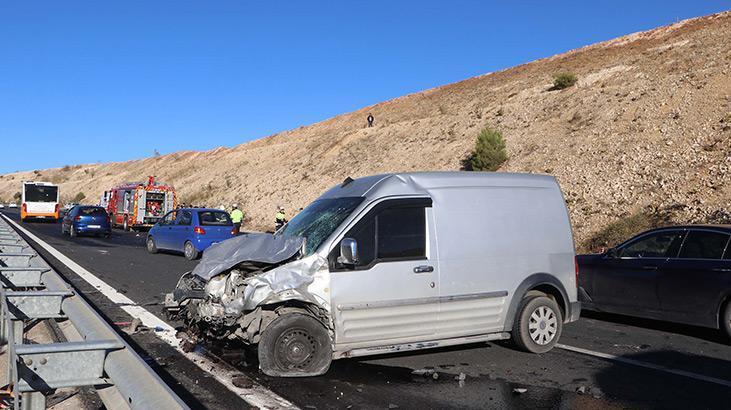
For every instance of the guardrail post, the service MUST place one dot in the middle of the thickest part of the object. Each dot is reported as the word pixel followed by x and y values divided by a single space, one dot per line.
pixel 33 401
pixel 31 290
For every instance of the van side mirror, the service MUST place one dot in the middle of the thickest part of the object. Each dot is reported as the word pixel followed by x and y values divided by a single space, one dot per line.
pixel 348 252
pixel 612 253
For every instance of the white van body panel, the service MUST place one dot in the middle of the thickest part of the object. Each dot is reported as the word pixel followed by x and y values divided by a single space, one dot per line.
pixel 486 234
pixel 387 301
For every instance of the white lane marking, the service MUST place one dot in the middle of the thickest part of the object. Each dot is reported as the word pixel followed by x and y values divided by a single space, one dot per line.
pixel 647 365
pixel 257 395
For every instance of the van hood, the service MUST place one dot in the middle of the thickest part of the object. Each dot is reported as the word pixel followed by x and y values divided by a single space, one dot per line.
pixel 262 248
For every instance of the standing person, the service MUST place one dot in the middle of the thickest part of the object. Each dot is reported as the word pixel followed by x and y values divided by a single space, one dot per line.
pixel 370 120
pixel 237 217
pixel 280 219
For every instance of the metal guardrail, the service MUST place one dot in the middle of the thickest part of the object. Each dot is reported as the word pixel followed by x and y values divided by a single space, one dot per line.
pixel 32 291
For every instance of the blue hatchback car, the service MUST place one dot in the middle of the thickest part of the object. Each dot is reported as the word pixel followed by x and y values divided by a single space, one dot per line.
pixel 86 219
pixel 190 230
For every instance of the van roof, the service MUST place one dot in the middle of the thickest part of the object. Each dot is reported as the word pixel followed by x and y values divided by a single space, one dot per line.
pixel 420 183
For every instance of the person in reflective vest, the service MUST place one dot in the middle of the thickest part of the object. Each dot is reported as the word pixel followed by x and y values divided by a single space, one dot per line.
pixel 280 219
pixel 237 217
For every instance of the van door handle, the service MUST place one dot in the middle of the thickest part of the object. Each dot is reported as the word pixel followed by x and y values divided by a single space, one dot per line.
pixel 649 267
pixel 423 269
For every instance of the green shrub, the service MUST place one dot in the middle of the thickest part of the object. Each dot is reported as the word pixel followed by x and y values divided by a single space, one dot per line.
pixel 563 80
pixel 623 229
pixel 78 198
pixel 489 153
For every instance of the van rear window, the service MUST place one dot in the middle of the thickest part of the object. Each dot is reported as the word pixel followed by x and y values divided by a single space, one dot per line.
pixel 213 218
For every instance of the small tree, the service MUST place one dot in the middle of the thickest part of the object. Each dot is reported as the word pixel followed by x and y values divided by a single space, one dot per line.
pixel 489 153
pixel 563 80
pixel 16 196
pixel 78 198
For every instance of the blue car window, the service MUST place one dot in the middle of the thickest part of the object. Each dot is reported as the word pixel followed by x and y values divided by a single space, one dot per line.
pixel 185 218
pixel 168 219
pixel 213 218
pixel 92 211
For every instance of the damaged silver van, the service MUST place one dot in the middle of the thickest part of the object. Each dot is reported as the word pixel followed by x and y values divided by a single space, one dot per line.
pixel 389 263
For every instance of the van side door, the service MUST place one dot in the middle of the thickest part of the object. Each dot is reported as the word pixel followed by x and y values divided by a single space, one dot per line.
pixel 390 296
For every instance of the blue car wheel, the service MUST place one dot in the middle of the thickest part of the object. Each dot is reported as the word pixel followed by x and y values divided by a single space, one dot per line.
pixel 191 253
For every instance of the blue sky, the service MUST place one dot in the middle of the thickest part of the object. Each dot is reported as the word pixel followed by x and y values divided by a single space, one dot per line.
pixel 89 81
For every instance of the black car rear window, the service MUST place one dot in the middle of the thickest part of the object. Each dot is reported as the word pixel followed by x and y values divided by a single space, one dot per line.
pixel 212 218
pixel 92 211
pixel 704 245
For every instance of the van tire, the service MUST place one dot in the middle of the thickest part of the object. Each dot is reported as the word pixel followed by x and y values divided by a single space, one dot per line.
pixel 295 345
pixel 541 313
pixel 726 320
pixel 190 252
pixel 151 247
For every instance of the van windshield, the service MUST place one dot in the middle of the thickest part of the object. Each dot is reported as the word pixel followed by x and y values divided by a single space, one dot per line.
pixel 319 220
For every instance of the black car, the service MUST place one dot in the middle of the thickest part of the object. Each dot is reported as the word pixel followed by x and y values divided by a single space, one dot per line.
pixel 679 274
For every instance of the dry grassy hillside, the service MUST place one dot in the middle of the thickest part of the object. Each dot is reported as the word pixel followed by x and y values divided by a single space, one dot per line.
pixel 648 126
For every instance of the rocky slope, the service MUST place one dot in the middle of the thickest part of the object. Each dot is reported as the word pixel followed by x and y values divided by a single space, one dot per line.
pixel 648 126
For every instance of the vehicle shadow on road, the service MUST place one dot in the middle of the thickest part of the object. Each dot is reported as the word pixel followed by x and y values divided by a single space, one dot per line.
pixel 355 383
pixel 653 388
pixel 711 335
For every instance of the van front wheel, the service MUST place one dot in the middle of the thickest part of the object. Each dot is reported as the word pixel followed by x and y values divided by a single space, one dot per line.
pixel 295 345
pixel 538 325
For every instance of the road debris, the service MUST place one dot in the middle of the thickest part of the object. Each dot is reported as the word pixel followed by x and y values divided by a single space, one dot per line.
pixel 133 327
pixel 519 390
pixel 426 371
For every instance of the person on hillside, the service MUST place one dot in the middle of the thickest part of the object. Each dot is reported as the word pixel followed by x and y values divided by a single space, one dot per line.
pixel 237 217
pixel 370 120
pixel 280 219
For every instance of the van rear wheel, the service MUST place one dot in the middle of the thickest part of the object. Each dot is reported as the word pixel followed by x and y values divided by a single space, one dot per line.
pixel 538 325
pixel 295 345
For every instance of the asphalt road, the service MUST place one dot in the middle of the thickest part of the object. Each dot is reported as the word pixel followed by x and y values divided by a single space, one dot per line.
pixel 558 379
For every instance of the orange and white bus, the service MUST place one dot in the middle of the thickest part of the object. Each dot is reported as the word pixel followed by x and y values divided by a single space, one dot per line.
pixel 39 200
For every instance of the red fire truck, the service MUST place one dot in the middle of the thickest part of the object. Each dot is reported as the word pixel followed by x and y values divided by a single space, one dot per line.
pixel 138 205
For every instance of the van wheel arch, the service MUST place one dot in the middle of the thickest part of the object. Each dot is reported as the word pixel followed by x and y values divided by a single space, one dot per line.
pixel 538 284
pixel 277 321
